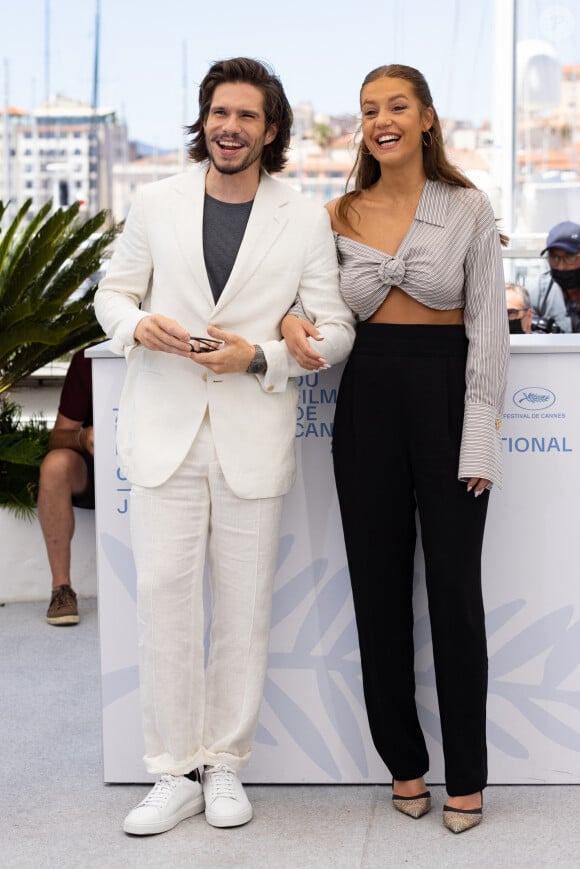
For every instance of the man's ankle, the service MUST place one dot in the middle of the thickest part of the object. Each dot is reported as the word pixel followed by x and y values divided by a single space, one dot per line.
pixel 193 775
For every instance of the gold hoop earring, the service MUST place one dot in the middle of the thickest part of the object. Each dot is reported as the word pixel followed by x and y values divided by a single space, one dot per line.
pixel 364 150
pixel 430 142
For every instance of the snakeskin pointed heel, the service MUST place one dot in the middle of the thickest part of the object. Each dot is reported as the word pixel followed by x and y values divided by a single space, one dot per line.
pixel 460 820
pixel 414 807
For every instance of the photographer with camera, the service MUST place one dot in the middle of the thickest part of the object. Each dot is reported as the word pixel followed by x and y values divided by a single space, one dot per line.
pixel 556 293
pixel 521 317
pixel 519 309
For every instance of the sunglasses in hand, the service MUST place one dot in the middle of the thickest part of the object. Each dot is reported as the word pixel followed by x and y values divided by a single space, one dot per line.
pixel 204 345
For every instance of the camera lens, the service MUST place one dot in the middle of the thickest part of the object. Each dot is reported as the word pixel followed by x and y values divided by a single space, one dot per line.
pixel 545 324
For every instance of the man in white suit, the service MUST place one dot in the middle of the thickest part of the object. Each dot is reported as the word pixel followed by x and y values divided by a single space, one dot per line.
pixel 213 258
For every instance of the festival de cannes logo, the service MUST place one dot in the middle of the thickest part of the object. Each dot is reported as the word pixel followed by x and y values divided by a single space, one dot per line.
pixel 534 398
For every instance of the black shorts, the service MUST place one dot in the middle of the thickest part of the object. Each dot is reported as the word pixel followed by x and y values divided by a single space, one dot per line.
pixel 86 499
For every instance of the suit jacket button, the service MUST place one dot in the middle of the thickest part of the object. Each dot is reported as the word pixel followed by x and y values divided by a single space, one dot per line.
pixel 204 378
pixel 270 388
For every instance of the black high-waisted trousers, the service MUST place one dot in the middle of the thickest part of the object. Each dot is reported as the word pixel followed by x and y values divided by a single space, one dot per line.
pixel 397 435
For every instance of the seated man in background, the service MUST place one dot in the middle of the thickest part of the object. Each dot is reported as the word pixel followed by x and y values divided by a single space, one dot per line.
pixel 519 309
pixel 67 480
pixel 556 293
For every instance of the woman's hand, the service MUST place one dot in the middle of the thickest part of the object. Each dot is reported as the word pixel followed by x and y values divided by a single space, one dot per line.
pixel 478 485
pixel 295 332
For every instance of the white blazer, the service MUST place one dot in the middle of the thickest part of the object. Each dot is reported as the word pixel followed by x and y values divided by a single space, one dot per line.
pixel 158 267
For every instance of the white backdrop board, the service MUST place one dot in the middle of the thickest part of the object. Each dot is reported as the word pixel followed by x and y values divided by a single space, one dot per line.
pixel 313 724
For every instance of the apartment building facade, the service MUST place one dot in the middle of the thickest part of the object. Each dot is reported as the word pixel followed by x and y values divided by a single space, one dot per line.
pixel 62 151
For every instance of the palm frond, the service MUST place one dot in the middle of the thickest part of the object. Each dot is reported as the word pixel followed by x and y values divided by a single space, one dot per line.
pixel 48 272
pixel 14 245
pixel 23 445
pixel 75 257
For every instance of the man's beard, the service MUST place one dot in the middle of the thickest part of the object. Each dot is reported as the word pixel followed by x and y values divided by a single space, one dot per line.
pixel 251 157
pixel 234 170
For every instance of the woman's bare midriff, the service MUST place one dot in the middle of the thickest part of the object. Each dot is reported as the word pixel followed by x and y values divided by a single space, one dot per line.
pixel 399 308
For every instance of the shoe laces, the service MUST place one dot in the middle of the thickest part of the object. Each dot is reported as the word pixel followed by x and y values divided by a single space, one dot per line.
pixel 161 792
pixel 61 596
pixel 222 781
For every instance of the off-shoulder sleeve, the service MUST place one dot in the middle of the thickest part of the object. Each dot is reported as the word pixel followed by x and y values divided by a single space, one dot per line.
pixel 486 326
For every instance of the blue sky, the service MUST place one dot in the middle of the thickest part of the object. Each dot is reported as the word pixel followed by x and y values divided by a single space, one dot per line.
pixel 155 52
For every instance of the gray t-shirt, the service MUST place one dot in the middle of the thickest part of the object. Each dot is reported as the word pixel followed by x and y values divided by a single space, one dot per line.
pixel 224 224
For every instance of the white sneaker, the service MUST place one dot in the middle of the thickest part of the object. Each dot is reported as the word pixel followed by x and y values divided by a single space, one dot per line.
pixel 226 804
pixel 170 801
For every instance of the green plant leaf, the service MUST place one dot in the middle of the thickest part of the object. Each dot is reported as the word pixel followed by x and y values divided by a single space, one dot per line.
pixel 49 267
pixel 48 272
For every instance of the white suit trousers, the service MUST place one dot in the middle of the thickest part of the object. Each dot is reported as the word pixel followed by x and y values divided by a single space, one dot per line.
pixel 195 714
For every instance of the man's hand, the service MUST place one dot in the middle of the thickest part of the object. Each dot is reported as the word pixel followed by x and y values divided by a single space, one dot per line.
pixel 69 434
pixel 86 438
pixel 233 357
pixel 157 332
pixel 295 332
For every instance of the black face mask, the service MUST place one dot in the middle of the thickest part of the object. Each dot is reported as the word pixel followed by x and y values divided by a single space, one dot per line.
pixel 516 327
pixel 568 280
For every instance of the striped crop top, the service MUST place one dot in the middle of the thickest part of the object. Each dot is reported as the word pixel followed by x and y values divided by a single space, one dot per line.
pixel 450 258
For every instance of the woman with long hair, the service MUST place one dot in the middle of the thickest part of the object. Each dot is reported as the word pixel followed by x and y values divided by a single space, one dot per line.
pixel 417 429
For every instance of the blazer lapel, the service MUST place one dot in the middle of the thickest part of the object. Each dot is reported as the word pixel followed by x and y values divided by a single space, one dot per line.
pixel 188 221
pixel 267 220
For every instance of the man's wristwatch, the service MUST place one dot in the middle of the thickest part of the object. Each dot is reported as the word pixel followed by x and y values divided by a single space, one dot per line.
pixel 258 365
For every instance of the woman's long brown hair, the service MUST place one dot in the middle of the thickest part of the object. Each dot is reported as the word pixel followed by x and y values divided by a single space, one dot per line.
pixel 367 171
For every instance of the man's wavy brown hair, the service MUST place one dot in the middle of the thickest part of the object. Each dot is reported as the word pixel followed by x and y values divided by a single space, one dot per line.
pixel 276 108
